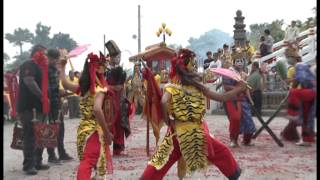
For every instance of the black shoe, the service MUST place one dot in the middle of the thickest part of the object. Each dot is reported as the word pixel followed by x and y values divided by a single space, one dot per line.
pixel 42 167
pixel 30 171
pixel 54 160
pixel 66 157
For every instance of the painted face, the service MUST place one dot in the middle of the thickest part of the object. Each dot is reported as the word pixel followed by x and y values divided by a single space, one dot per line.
pixel 101 69
pixel 191 65
pixel 136 67
pixel 239 63
pixel 116 60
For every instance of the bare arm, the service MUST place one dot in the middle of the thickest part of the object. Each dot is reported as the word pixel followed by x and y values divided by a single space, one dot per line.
pixel 249 96
pixel 33 86
pixel 98 113
pixel 65 83
pixel 164 101
pixel 64 93
pixel 228 87
pixel 224 96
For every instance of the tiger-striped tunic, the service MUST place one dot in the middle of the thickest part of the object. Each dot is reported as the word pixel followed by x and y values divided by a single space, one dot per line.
pixel 187 107
pixel 88 125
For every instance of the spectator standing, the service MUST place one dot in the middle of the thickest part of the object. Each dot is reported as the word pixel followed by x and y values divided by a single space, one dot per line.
pixel 268 40
pixel 55 114
pixel 255 80
pixel 250 51
pixel 292 33
pixel 74 99
pixel 77 74
pixel 216 63
pixel 263 47
pixel 33 95
pixel 208 60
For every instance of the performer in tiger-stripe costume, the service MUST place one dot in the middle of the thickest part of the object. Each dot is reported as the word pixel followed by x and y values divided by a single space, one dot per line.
pixel 188 140
pixel 93 135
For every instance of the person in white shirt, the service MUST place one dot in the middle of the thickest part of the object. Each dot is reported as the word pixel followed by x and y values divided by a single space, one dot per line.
pixel 292 33
pixel 216 63
pixel 268 40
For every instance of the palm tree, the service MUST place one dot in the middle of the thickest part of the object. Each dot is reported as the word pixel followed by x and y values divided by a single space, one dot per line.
pixel 19 37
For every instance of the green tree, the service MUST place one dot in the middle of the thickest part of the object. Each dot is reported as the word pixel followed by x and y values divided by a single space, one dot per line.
pixel 257 30
pixel 19 37
pixel 276 30
pixel 310 22
pixel 21 58
pixel 62 40
pixel 175 46
pixel 6 58
pixel 42 35
pixel 306 24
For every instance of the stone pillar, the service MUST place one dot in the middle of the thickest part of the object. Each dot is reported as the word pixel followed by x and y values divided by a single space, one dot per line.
pixel 239 32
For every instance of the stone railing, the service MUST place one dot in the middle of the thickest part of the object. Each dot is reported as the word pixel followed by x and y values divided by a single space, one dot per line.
pixel 308 51
pixel 272 99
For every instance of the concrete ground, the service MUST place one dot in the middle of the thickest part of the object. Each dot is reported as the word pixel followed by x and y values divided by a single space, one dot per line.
pixel 264 161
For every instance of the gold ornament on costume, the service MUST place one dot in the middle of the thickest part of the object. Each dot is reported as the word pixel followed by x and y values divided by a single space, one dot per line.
pixel 239 54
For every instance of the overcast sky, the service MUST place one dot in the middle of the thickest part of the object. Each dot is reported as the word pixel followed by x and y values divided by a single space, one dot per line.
pixel 88 20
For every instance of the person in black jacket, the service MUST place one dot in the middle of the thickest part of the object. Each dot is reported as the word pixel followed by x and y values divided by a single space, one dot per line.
pixel 32 96
pixel 55 114
pixel 207 61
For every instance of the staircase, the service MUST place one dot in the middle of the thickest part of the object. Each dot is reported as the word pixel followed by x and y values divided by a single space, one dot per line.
pixel 275 93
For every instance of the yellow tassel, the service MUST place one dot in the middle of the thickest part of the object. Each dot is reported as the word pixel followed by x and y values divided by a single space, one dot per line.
pixel 182 169
pixel 71 65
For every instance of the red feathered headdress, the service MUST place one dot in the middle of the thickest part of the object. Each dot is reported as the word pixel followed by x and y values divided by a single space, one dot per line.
pixel 94 62
pixel 182 59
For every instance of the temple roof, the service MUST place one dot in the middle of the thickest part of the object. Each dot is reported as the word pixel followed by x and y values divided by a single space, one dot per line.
pixel 157 51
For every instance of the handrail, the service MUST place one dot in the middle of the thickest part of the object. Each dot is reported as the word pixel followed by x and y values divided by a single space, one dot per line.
pixel 307 51
pixel 301 34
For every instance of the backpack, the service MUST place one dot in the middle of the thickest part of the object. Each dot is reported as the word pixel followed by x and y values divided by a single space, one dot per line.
pixel 304 76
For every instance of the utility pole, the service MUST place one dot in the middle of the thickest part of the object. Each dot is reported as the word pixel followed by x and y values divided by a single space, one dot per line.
pixel 139 50
pixel 139 30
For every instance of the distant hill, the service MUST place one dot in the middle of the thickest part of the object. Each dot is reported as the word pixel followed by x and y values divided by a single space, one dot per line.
pixel 211 40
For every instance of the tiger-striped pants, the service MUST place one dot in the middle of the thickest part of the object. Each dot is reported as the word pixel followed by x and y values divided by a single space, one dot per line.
pixel 221 157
